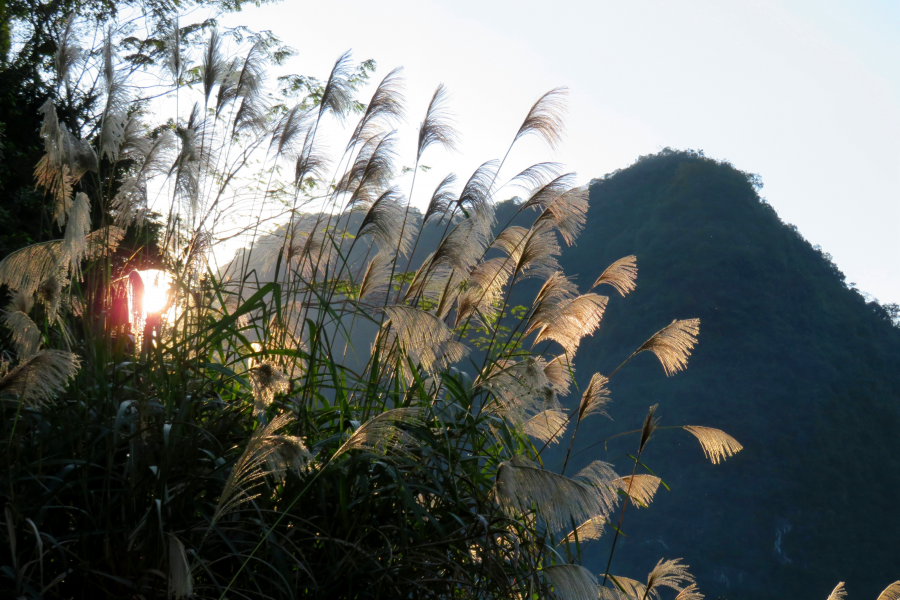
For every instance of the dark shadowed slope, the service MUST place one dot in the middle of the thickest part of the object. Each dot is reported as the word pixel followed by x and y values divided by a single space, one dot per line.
pixel 799 368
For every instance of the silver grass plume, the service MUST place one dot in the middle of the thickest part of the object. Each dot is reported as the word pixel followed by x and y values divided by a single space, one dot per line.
pixel 66 159
pixel 556 289
pixel 485 291
pixel 475 197
pixel 510 241
pixel 548 426
pixel 267 381
pixel 228 76
pixel 190 160
pixel 26 336
pixel 650 424
pixel 135 141
pixel 591 529
pixel 248 469
pixel 560 373
pixel 213 67
pixel 437 128
pixel 36 268
pixel 690 593
pixel 717 445
pixel 838 593
pixel 441 284
pixel 672 344
pixel 424 337
pixel 570 321
pixel 547 193
pixel 520 388
pixel 376 279
pixel 67 54
pixel 40 378
pixel 538 251
pixel 463 246
pixel 151 159
pixel 384 221
pixel 291 454
pixel 173 51
pixel 568 213
pixel 115 111
pixel 521 486
pixel 633 590
pixel 387 105
pixel 29 267
pixel 181 584
pixel 371 172
pixel 58 181
pixel 595 397
pixel 50 294
pixel 545 119
pixel 312 162
pixel 536 176
pixel 621 275
pixel 20 302
pixel 290 127
pixel 198 250
pixel 337 96
pixel 670 574
pixel 75 240
pixel 424 277
pixel 103 241
pixel 381 433
pixel 639 488
pixel 251 113
pixel 571 582
pixel 441 200
pixel 891 592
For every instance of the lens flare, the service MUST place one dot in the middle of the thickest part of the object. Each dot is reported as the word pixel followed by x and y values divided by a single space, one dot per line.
pixel 156 290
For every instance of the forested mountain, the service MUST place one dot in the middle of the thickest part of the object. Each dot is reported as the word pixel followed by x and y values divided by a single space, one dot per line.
pixel 799 368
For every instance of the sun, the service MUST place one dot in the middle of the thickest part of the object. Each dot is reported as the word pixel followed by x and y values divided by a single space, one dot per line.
pixel 156 290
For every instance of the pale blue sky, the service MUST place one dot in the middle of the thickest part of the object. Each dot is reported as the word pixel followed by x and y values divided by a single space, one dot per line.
pixel 807 94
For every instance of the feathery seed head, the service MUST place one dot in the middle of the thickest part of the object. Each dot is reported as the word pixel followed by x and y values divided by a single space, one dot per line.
pixel 20 301
pixel 437 128
pixel 891 592
pixel 180 581
pixel 41 377
pixel 838 593
pixel 26 336
pixel 670 574
pixel 595 397
pixel 717 445
pixel 649 427
pixel 640 489
pixel 571 582
pixel 672 345
pixel 690 593
pixel 267 381
pixel 545 119
pixel 621 275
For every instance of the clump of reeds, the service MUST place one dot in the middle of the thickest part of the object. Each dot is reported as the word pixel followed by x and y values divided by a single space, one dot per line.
pixel 299 420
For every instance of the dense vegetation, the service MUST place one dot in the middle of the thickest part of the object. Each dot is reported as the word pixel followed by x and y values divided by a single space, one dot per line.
pixel 195 430
pixel 798 366
pixel 372 402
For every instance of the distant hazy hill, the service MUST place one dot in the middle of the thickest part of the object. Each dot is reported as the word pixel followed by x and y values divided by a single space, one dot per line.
pixel 799 368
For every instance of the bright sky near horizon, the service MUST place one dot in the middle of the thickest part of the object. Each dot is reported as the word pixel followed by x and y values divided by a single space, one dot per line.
pixel 804 93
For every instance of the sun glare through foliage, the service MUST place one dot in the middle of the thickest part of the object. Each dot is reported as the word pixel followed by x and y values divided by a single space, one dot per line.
pixel 156 290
